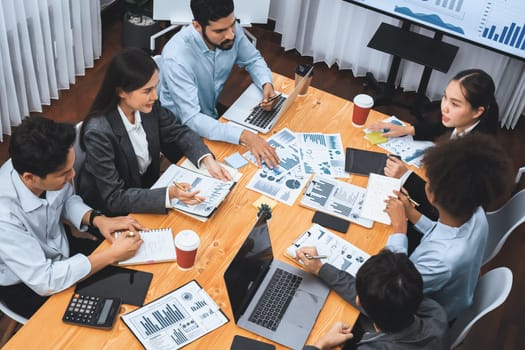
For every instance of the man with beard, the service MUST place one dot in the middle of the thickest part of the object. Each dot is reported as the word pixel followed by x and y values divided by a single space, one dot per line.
pixel 196 63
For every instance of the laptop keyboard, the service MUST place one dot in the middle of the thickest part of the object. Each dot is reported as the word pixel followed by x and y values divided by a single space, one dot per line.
pixel 276 298
pixel 261 118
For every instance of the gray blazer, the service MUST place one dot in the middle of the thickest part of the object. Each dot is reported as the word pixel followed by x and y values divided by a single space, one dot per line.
pixel 109 179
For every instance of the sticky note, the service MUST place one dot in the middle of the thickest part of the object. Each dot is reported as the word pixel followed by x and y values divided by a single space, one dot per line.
pixel 375 137
pixel 236 160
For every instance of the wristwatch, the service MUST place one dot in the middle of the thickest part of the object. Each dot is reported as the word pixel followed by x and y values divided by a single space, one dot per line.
pixel 93 215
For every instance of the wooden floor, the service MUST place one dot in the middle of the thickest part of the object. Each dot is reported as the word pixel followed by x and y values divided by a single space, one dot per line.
pixel 502 329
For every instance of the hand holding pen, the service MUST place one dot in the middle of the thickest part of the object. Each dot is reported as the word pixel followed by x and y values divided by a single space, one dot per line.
pixel 183 192
pixel 309 259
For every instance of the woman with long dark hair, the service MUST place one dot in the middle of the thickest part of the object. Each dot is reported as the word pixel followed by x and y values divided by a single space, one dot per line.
pixel 468 105
pixel 123 135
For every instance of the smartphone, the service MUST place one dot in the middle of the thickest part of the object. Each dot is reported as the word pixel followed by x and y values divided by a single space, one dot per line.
pixel 331 222
pixel 243 343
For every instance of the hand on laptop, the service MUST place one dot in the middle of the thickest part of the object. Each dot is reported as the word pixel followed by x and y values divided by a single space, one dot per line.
pixel 268 97
pixel 260 149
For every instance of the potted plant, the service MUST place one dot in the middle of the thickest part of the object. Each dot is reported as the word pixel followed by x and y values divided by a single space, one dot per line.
pixel 138 25
pixel 264 209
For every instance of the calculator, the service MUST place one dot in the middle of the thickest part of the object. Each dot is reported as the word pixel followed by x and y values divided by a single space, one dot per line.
pixel 91 311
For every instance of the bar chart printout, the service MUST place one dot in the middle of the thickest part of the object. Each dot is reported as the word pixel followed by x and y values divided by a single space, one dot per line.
pixel 175 319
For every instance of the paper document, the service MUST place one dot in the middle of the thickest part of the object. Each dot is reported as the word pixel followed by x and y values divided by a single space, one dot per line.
pixel 336 198
pixel 213 190
pixel 378 190
pixel 339 252
pixel 175 319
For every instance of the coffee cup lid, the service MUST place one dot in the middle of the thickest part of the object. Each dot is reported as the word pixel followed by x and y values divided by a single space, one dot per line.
pixel 187 240
pixel 363 100
pixel 302 69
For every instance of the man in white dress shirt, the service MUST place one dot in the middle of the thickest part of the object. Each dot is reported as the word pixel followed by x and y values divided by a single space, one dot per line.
pixel 37 258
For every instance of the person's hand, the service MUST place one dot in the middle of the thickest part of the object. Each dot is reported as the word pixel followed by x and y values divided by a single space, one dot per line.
pixel 392 130
pixel 260 149
pixel 126 245
pixel 336 335
pixel 395 167
pixel 182 191
pixel 107 225
pixel 395 208
pixel 311 265
pixel 215 169
pixel 268 93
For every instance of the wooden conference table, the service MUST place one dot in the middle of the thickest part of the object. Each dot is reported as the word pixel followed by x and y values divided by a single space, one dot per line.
pixel 221 237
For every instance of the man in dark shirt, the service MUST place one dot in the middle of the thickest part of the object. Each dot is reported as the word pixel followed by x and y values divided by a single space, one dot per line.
pixel 389 290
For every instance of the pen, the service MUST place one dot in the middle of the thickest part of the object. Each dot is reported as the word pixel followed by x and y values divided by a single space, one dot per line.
pixel 416 204
pixel 182 188
pixel 273 98
pixel 310 257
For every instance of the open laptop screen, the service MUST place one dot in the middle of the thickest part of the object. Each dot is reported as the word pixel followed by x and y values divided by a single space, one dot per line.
pixel 249 267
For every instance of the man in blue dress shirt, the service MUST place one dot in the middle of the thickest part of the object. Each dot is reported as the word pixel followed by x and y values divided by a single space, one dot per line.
pixel 37 257
pixel 196 63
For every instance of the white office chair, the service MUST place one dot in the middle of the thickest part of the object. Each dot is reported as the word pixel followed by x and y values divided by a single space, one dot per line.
pixel 492 290
pixel 12 325
pixel 519 174
pixel 502 222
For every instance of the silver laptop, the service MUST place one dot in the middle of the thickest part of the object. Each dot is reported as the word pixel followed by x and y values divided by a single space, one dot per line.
pixel 245 110
pixel 270 298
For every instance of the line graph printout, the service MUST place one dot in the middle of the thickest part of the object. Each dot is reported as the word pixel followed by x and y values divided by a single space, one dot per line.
pixel 499 24
pixel 175 319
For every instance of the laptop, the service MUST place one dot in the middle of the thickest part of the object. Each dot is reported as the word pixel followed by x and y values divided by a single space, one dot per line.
pixel 245 110
pixel 254 275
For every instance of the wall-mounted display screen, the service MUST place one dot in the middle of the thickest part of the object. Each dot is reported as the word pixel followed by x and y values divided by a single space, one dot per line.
pixel 497 24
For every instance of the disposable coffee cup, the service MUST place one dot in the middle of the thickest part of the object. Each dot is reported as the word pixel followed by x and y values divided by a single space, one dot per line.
pixel 186 244
pixel 300 71
pixel 362 105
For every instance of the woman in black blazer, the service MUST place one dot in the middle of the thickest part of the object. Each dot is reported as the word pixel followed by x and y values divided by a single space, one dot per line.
pixel 123 136
pixel 468 104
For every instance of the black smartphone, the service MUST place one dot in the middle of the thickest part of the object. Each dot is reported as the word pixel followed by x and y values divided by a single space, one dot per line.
pixel 331 222
pixel 243 343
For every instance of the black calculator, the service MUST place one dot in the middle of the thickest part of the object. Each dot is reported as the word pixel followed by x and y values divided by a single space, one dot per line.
pixel 91 311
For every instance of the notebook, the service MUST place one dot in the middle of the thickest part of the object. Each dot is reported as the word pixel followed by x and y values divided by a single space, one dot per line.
pixel 157 247
pixel 379 188
pixel 245 110
pixel 129 285
pixel 251 278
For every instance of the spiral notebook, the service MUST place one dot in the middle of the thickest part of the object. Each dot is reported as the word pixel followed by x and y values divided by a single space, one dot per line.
pixel 157 247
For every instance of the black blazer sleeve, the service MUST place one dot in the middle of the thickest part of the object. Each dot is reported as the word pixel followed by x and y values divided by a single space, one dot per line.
pixel 111 180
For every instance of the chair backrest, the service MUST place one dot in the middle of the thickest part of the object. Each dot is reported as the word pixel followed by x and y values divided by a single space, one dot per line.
pixel 518 175
pixel 502 222
pixel 491 291
pixel 80 156
pixel 11 314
